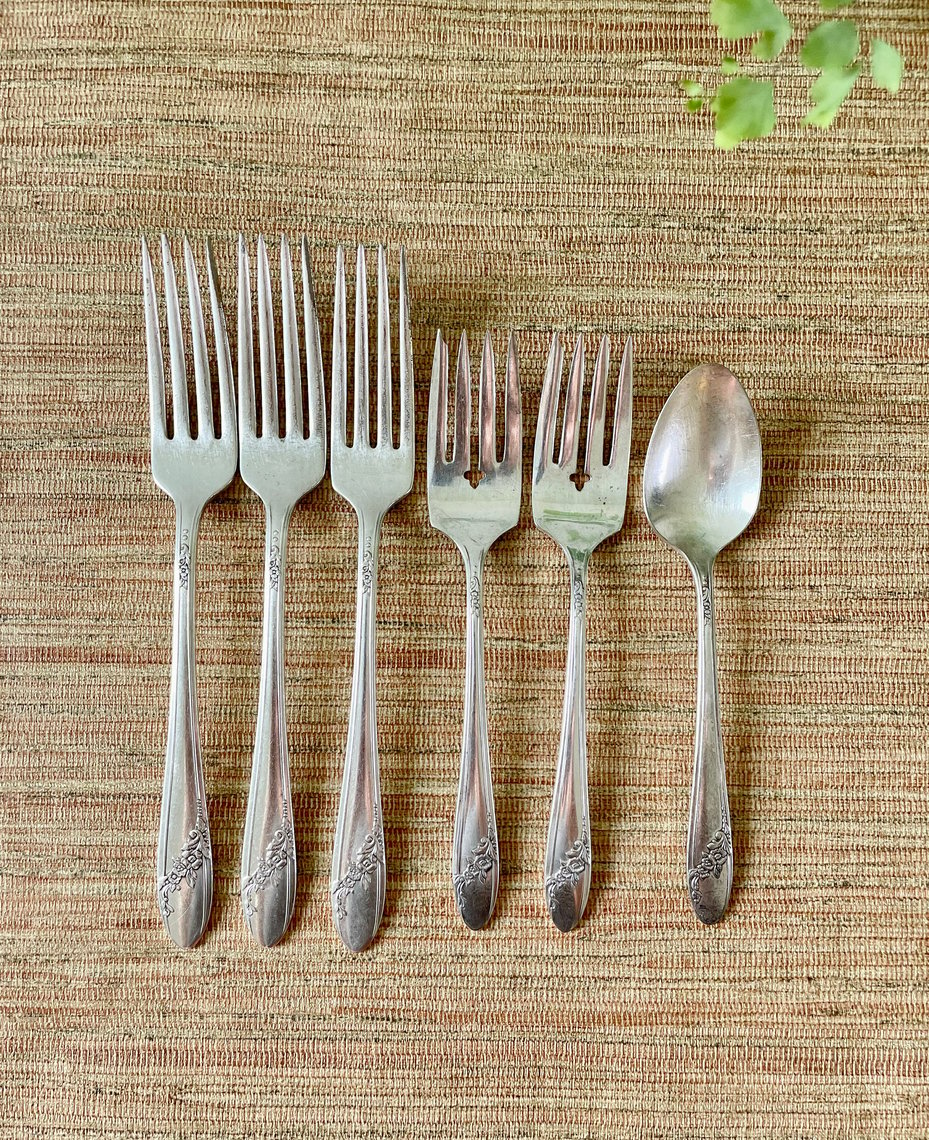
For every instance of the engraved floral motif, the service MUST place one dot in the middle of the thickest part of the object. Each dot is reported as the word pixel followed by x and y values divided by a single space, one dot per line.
pixel 712 862
pixel 187 864
pixel 367 569
pixel 705 595
pixel 274 562
pixel 577 596
pixel 278 853
pixel 361 868
pixel 574 862
pixel 481 861
pixel 183 561
pixel 474 594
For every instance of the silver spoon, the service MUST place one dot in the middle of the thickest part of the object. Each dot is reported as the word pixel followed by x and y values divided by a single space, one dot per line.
pixel 701 484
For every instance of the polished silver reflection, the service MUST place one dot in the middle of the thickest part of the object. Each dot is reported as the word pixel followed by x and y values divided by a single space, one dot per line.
pixel 191 469
pixel 474 517
pixel 280 469
pixel 579 509
pixel 372 477
pixel 701 485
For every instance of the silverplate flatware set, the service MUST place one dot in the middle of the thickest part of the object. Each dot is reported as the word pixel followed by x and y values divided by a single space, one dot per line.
pixel 701 486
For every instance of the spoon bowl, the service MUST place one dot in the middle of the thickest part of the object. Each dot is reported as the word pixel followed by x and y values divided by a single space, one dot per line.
pixel 701 485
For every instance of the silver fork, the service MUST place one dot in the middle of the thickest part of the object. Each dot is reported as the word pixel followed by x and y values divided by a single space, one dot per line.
pixel 474 517
pixel 191 469
pixel 280 470
pixel 578 515
pixel 372 477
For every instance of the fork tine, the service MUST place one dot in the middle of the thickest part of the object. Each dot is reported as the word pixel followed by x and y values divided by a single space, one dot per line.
pixel 361 433
pixel 156 364
pixel 316 395
pixel 513 436
pixel 570 434
pixel 593 459
pixel 339 352
pixel 406 361
pixel 437 443
pixel 247 425
pixel 384 393
pixel 293 383
pixel 548 406
pixel 175 345
pixel 487 409
pixel 270 425
pixel 200 354
pixel 223 357
pixel 622 417
pixel 461 452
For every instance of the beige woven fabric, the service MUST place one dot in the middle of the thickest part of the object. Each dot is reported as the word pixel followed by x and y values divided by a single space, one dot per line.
pixel 537 163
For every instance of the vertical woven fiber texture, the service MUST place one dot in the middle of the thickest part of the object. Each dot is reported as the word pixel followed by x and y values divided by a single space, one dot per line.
pixel 537 163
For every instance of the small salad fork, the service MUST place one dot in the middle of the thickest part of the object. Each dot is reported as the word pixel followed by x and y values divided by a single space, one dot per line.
pixel 280 469
pixel 578 509
pixel 192 469
pixel 474 517
pixel 372 477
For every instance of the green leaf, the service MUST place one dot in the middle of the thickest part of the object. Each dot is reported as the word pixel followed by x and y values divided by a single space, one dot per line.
pixel 691 87
pixel 828 94
pixel 828 5
pixel 831 45
pixel 729 65
pixel 744 109
pixel 886 66
pixel 740 19
pixel 694 105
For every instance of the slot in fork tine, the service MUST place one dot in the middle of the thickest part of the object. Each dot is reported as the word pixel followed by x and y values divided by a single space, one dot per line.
pixel 293 383
pixel 487 409
pixel 593 459
pixel 316 395
pixel 570 433
pixel 247 425
pixel 200 354
pixel 548 407
pixel 223 357
pixel 361 431
pixel 384 393
pixel 339 352
pixel 154 354
pixel 622 417
pixel 175 345
pixel 270 425
pixel 406 362
pixel 513 437
pixel 437 443
pixel 461 451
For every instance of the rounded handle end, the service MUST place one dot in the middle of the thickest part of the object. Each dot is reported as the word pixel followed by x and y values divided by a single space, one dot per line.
pixel 709 876
pixel 358 896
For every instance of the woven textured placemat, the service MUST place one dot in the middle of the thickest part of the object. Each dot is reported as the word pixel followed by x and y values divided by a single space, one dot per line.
pixel 536 162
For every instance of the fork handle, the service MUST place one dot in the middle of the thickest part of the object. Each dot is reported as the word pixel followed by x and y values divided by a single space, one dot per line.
pixel 567 854
pixel 359 873
pixel 709 831
pixel 475 853
pixel 269 861
pixel 184 863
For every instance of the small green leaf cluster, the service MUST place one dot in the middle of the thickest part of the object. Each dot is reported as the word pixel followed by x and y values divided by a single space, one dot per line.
pixel 743 107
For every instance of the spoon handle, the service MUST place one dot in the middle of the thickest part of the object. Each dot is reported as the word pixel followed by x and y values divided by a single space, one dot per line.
pixel 709 833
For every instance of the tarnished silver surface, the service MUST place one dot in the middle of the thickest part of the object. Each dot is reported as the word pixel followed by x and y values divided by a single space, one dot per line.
pixel 701 485
pixel 474 517
pixel 578 513
pixel 191 469
pixel 372 477
pixel 280 469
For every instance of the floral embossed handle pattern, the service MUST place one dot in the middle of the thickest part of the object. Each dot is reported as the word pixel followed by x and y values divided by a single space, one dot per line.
pixel 184 865
pixel 709 834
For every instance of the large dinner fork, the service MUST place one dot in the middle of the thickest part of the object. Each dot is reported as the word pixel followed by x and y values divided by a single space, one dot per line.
pixel 372 477
pixel 578 511
pixel 474 517
pixel 191 469
pixel 280 469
